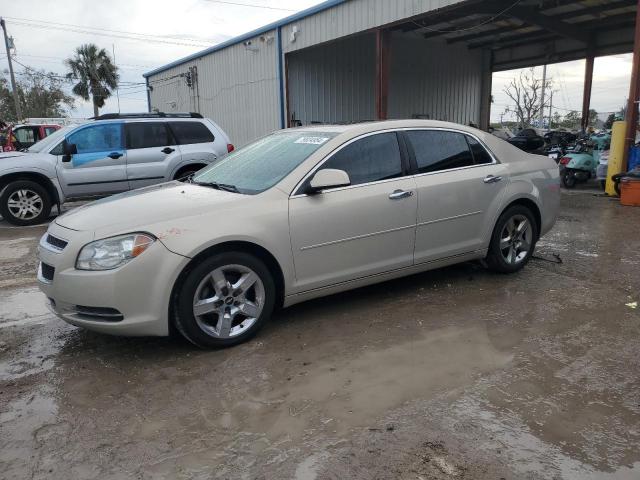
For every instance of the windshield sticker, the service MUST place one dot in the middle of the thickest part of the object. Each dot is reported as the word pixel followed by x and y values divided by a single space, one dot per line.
pixel 312 140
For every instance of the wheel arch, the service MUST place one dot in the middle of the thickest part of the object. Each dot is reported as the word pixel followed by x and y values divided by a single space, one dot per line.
pixel 233 246
pixel 529 204
pixel 35 177
pixel 184 168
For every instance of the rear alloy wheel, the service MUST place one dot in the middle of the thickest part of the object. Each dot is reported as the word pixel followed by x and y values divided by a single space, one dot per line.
pixel 513 240
pixel 225 300
pixel 25 202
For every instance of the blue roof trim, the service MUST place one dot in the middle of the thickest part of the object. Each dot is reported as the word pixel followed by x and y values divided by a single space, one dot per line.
pixel 234 41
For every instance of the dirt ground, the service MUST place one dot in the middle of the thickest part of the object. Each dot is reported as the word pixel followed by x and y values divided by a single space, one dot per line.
pixel 455 373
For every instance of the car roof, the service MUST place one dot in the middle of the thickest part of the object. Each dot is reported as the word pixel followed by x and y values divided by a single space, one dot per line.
pixel 374 126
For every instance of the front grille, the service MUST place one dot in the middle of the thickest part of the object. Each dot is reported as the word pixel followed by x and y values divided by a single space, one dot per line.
pixel 47 271
pixel 56 242
pixel 99 313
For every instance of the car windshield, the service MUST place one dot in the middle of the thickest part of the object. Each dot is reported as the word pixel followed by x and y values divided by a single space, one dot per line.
pixel 260 165
pixel 50 141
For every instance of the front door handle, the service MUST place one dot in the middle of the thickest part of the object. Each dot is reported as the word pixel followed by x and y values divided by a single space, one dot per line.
pixel 168 150
pixel 399 194
pixel 492 179
pixel 115 155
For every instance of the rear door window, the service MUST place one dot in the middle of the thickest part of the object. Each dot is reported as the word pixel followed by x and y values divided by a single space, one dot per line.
pixel 480 154
pixel 191 132
pixel 370 159
pixel 439 150
pixel 146 135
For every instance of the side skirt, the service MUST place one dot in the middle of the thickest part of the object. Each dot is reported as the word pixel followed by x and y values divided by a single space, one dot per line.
pixel 382 277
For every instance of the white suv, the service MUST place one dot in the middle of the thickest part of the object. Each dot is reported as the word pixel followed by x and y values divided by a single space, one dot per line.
pixel 110 154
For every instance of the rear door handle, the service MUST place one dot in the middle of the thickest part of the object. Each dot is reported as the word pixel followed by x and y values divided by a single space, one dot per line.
pixel 399 194
pixel 115 155
pixel 168 150
pixel 492 179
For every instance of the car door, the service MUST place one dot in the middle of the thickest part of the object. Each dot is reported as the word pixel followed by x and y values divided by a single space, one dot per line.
pixel 99 167
pixel 364 229
pixel 151 153
pixel 460 186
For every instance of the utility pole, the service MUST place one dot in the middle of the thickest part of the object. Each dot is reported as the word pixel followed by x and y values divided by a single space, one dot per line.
pixel 544 86
pixel 113 50
pixel 550 109
pixel 16 99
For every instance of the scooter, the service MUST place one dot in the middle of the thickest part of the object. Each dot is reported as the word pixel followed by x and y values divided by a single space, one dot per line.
pixel 579 163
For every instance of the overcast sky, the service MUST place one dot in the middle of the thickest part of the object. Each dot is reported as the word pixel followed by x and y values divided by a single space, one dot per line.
pixel 149 33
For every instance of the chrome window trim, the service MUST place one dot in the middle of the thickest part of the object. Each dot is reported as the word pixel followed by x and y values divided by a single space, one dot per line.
pixel 317 167
pixel 330 155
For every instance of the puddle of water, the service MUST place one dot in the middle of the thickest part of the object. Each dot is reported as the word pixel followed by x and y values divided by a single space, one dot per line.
pixel 353 393
pixel 16 248
pixel 25 303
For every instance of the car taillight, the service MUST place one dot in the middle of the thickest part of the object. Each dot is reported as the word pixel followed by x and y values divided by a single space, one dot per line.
pixel 565 160
pixel 230 148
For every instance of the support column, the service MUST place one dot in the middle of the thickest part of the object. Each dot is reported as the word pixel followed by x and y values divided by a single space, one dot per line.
pixel 634 94
pixel 485 93
pixel 586 93
pixel 383 68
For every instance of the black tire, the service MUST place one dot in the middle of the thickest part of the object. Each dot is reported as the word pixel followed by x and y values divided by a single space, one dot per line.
pixel 186 173
pixel 568 179
pixel 185 320
pixel 495 259
pixel 31 186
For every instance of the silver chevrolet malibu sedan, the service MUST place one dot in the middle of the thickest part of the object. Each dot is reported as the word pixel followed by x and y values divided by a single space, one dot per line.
pixel 298 214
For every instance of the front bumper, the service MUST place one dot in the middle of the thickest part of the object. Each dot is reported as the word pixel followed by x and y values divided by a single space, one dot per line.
pixel 139 291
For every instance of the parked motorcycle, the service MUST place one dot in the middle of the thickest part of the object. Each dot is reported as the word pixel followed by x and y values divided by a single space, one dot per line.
pixel 579 164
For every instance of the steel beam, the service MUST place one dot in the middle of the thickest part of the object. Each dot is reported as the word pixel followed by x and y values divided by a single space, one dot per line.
pixel 383 68
pixel 586 92
pixel 634 95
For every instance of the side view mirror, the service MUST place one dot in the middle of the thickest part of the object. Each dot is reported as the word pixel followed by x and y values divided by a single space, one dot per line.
pixel 328 178
pixel 68 150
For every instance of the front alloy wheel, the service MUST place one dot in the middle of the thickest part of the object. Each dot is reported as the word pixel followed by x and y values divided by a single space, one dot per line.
pixel 228 301
pixel 224 300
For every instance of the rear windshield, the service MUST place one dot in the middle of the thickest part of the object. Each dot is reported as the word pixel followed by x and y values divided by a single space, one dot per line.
pixel 260 165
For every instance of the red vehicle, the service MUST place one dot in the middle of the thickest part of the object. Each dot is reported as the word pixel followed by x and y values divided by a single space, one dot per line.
pixel 23 136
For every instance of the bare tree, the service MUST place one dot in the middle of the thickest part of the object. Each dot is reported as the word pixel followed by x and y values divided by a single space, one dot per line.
pixel 525 91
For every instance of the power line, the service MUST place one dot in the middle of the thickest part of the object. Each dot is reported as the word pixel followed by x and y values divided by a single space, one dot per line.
pixel 267 7
pixel 107 30
pixel 489 20
pixel 92 32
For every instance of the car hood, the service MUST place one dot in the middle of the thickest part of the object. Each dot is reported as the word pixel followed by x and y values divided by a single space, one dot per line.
pixel 133 210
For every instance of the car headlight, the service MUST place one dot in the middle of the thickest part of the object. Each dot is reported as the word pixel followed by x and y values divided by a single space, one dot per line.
pixel 113 252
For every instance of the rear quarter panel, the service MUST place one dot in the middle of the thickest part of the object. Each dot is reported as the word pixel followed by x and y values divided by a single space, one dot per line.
pixel 532 177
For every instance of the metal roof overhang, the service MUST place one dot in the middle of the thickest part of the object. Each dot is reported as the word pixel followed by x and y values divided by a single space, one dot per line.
pixel 532 32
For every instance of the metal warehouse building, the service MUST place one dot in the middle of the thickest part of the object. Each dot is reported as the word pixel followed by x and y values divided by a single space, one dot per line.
pixel 356 60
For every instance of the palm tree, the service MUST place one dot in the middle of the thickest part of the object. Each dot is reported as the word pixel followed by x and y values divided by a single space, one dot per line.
pixel 95 74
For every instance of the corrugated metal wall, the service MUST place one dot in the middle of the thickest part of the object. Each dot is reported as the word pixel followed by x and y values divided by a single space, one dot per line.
pixel 237 88
pixel 431 78
pixel 333 83
pixel 352 17
pixel 336 82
